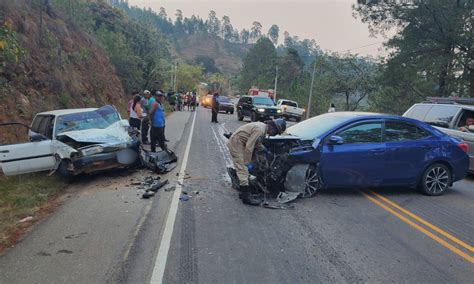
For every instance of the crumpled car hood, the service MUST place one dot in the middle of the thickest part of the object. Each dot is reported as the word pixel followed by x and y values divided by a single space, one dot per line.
pixel 115 133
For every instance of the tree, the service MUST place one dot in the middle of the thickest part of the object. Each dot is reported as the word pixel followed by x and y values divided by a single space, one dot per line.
pixel 434 43
pixel 259 66
pixel 256 31
pixel 291 68
pixel 244 36
pixel 213 23
pixel 162 14
pixel 273 34
pixel 207 63
pixel 227 29
pixel 188 77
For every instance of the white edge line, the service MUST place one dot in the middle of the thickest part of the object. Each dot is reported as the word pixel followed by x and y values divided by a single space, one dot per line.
pixel 162 256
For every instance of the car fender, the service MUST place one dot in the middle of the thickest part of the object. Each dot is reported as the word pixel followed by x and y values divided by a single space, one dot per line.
pixel 62 150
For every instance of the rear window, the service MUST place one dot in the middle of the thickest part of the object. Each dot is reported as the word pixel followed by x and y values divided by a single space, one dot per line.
pixel 418 112
pixel 441 115
pixel 288 103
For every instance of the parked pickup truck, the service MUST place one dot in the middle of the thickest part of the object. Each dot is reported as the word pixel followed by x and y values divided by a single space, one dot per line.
pixel 72 142
pixel 290 109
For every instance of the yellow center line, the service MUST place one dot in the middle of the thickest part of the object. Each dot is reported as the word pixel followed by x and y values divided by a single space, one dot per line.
pixel 421 229
pixel 426 223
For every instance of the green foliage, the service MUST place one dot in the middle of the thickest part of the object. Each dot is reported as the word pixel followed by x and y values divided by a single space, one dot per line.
pixel 432 51
pixel 208 63
pixel 259 66
pixel 188 77
pixel 10 49
pixel 136 49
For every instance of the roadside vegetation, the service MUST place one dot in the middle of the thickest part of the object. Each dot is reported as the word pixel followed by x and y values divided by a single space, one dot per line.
pixel 23 196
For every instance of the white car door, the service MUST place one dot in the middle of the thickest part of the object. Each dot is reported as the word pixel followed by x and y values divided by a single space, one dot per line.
pixel 27 157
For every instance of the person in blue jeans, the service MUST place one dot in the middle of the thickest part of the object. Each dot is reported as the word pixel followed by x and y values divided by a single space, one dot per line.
pixel 157 119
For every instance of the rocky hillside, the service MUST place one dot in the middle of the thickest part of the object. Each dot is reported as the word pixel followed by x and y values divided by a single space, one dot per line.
pixel 47 62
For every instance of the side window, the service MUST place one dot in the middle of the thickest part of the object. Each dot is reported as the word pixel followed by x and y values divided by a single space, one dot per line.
pixel 418 112
pixel 402 131
pixel 45 126
pixel 370 132
pixel 466 118
pixel 441 115
pixel 36 123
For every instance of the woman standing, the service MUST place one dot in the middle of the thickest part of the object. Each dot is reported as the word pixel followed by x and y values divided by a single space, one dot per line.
pixel 136 112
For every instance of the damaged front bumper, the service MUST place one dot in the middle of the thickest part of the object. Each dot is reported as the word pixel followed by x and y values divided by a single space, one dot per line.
pixel 104 161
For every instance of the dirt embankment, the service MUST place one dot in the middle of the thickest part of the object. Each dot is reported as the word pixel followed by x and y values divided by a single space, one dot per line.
pixel 61 66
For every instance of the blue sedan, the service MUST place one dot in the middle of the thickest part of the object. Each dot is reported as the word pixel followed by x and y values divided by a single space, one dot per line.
pixel 353 149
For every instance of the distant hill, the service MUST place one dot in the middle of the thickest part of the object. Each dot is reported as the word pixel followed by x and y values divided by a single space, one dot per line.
pixel 228 56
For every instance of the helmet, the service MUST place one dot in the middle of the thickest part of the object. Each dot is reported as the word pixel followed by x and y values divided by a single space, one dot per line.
pixel 280 125
pixel 146 92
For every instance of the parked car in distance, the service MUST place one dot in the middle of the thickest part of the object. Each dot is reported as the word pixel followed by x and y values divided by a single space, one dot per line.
pixel 290 109
pixel 360 150
pixel 206 101
pixel 450 118
pixel 257 108
pixel 226 105
pixel 71 142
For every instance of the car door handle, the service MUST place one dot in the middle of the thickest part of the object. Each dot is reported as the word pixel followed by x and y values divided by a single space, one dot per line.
pixel 4 151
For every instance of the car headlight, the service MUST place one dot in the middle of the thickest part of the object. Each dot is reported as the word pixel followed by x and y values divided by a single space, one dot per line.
pixel 92 151
pixel 261 110
pixel 278 110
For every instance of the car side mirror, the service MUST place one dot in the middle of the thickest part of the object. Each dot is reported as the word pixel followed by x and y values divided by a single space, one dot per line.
pixel 336 140
pixel 38 138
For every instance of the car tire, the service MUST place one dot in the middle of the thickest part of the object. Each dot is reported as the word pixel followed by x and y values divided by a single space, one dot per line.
pixel 253 117
pixel 313 182
pixel 435 180
pixel 298 119
pixel 65 175
pixel 231 112
pixel 240 117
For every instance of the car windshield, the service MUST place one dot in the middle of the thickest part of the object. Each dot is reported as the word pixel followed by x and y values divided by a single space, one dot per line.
pixel 224 100
pixel 316 126
pixel 263 101
pixel 98 119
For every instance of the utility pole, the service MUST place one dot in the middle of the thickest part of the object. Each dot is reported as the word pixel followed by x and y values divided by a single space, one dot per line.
pixel 311 91
pixel 276 84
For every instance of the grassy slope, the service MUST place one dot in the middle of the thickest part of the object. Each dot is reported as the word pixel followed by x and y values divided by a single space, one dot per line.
pixel 22 196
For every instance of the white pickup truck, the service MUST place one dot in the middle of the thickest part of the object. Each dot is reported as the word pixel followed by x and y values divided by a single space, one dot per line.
pixel 290 109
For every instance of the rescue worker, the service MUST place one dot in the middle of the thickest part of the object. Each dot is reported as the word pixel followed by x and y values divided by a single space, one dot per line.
pixel 241 145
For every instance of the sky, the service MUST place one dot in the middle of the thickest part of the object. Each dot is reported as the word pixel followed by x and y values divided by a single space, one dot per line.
pixel 329 22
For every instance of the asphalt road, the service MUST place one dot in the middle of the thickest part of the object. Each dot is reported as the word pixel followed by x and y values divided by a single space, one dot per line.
pixel 350 235
pixel 338 236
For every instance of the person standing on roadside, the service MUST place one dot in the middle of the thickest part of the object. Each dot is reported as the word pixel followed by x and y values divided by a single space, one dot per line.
pixel 179 100
pixel 130 103
pixel 136 112
pixel 215 107
pixel 157 118
pixel 172 101
pixel 144 103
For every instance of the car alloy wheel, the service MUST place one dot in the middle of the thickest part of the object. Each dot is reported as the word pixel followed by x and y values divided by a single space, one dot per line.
pixel 312 182
pixel 436 180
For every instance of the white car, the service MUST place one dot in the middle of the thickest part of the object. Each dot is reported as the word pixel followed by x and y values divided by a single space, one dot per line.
pixel 72 141
pixel 290 109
